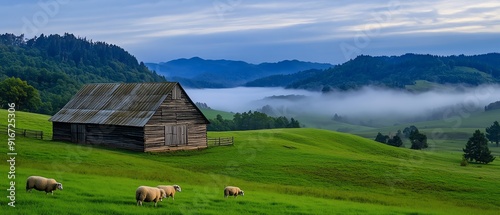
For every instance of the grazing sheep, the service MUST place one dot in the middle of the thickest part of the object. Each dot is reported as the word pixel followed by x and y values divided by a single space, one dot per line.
pixel 233 191
pixel 42 184
pixel 149 194
pixel 170 189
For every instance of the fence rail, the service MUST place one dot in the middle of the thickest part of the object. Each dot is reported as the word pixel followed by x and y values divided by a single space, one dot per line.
pixel 23 132
pixel 220 141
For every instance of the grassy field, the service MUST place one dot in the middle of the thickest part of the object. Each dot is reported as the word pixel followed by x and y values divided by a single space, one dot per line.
pixel 282 171
pixel 212 114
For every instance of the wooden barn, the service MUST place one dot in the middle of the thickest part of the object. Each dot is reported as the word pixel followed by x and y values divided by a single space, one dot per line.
pixel 138 116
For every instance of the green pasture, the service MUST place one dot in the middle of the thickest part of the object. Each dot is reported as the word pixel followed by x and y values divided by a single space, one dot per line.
pixel 212 114
pixel 282 171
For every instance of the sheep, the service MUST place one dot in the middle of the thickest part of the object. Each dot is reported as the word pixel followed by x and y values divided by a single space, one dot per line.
pixel 42 184
pixel 170 189
pixel 149 194
pixel 233 191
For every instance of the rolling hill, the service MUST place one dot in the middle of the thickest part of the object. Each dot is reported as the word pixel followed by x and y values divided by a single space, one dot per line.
pixel 283 171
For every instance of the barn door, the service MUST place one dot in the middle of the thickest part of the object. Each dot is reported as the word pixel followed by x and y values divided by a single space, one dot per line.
pixel 175 135
pixel 78 133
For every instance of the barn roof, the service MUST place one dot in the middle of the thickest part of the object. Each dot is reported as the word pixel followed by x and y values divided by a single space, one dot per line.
pixel 127 104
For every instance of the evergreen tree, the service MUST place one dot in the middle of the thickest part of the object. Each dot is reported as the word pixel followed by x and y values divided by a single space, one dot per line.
pixel 477 149
pixel 493 133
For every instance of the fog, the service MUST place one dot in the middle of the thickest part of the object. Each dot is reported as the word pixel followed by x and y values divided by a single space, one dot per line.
pixel 366 102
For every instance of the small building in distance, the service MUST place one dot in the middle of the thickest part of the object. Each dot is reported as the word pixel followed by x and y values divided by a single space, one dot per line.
pixel 147 117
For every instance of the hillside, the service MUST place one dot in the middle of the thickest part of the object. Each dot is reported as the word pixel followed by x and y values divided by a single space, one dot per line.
pixel 58 65
pixel 282 80
pixel 406 70
pixel 201 73
pixel 283 171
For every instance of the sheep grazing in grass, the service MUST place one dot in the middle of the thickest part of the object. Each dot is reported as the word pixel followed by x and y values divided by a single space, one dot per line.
pixel 149 194
pixel 233 191
pixel 170 189
pixel 42 184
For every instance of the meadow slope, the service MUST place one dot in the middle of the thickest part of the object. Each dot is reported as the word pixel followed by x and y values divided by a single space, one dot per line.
pixel 282 171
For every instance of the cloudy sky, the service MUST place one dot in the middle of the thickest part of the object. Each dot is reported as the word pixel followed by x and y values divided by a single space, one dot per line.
pixel 265 31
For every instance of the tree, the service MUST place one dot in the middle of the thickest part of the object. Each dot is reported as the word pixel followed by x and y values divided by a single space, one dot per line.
pixel 418 140
pixel 395 141
pixel 381 138
pixel 407 131
pixel 251 121
pixel 57 66
pixel 15 90
pixel 493 133
pixel 294 123
pixel 477 149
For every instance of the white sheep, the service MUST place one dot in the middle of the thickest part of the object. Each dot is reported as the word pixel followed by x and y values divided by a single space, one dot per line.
pixel 42 184
pixel 233 191
pixel 170 190
pixel 149 194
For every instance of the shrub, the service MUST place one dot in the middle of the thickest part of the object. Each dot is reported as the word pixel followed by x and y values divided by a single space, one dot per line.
pixel 464 162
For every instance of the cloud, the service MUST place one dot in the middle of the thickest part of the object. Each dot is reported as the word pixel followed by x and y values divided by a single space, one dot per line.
pixel 368 102
pixel 259 30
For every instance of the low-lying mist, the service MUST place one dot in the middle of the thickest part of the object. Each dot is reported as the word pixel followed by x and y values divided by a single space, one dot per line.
pixel 368 102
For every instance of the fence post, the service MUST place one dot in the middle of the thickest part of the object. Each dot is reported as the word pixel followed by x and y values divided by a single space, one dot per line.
pixel 41 135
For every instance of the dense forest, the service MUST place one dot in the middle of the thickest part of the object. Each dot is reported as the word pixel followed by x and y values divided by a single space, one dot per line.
pixel 57 66
pixel 399 71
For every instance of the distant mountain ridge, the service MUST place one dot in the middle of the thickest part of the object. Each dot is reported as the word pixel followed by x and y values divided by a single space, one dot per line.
pixel 419 72
pixel 282 80
pixel 201 73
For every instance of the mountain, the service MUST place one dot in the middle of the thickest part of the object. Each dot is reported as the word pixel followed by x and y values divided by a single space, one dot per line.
pixel 282 80
pixel 57 66
pixel 201 73
pixel 406 70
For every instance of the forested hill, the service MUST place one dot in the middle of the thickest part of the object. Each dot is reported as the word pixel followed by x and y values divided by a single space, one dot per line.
pixel 57 66
pixel 400 71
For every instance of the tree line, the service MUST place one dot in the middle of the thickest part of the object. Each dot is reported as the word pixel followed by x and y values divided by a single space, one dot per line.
pixel 251 121
pixel 418 140
pixel 492 106
pixel 476 149
pixel 57 66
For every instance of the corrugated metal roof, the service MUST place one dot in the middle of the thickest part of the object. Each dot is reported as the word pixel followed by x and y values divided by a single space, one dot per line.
pixel 115 104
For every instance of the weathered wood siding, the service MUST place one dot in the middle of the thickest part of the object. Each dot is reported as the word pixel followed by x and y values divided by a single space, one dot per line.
pixel 123 137
pixel 61 131
pixel 167 128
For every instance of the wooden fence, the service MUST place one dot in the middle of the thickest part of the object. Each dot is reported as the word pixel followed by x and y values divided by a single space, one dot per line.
pixel 23 132
pixel 220 141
